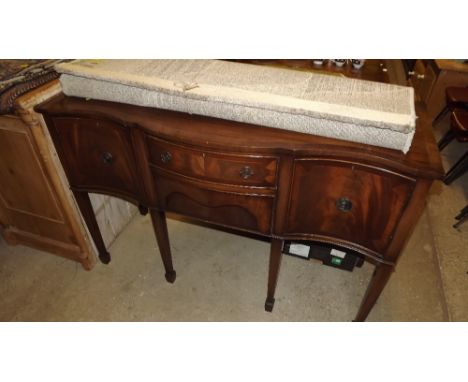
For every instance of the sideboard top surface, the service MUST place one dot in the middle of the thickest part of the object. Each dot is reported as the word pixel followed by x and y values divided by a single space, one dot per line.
pixel 422 160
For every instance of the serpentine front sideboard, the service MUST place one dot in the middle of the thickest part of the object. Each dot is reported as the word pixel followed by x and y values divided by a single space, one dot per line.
pixel 275 183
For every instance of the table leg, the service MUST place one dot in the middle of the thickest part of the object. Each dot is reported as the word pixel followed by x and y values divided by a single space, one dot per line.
pixel 160 229
pixel 376 285
pixel 275 262
pixel 86 208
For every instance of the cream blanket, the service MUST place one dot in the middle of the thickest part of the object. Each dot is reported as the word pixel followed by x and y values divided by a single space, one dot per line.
pixel 355 110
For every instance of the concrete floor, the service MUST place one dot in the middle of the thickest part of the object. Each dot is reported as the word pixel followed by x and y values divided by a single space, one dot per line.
pixel 222 276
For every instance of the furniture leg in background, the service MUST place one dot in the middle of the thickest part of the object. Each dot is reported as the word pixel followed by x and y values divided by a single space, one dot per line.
pixel 455 98
pixel 461 217
pixel 459 131
pixel 457 170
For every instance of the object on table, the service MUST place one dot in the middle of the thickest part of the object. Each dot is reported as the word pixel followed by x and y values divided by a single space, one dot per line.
pixel 329 255
pixel 357 64
pixel 331 106
pixel 339 62
pixel 18 77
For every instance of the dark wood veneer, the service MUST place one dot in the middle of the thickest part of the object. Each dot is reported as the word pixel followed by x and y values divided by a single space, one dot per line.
pixel 250 212
pixel 376 201
pixel 276 183
pixel 212 165
pixel 98 155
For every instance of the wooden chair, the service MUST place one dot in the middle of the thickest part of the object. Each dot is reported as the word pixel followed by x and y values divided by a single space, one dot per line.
pixel 456 98
pixel 458 130
pixel 461 217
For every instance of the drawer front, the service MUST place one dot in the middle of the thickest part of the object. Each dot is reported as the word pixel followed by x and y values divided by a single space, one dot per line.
pixel 243 211
pixel 236 169
pixel 347 201
pixel 97 154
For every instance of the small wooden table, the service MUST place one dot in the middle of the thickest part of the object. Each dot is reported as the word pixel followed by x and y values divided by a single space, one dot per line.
pixel 275 183
pixel 430 78
pixel 388 71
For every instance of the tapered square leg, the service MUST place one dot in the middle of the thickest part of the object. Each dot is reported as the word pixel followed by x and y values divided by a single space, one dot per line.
pixel 273 271
pixel 160 229
pixel 86 208
pixel 269 303
pixel 441 115
pixel 376 285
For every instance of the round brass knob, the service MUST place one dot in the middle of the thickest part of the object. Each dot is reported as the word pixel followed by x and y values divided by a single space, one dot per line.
pixel 344 204
pixel 107 157
pixel 246 172
pixel 166 157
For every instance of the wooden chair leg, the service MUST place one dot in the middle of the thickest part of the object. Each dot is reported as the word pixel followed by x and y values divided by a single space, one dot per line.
pixel 462 213
pixel 160 229
pixel 441 115
pixel 461 219
pixel 86 208
pixel 273 271
pixel 457 170
pixel 446 139
pixel 376 285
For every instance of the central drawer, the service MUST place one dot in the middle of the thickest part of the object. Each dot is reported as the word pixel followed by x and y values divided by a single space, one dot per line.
pixel 226 168
pixel 200 200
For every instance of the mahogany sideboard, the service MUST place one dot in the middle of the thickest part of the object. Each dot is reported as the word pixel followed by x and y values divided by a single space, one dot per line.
pixel 275 183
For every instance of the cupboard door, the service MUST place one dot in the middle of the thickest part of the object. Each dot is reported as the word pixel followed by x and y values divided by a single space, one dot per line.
pixel 346 201
pixel 30 209
pixel 97 155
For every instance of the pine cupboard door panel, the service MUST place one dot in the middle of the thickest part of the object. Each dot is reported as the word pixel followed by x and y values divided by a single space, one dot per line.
pixel 347 201
pixel 18 163
pixel 27 198
pixel 97 155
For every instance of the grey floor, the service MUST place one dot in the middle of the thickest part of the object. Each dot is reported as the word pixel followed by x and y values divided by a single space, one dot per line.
pixel 222 276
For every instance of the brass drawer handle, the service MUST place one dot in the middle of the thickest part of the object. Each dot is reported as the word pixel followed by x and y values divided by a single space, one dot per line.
pixel 107 157
pixel 246 172
pixel 344 204
pixel 166 157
